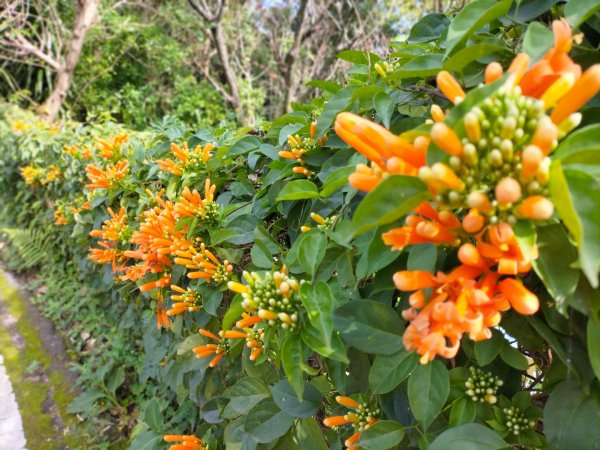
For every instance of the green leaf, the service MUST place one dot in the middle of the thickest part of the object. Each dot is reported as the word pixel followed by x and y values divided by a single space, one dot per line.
pixel 338 102
pixel 571 418
pixel 244 394
pixel 336 180
pixel 429 28
pixel 385 106
pixel 554 264
pixel 393 198
pixel 377 256
pixel 261 255
pixel 310 435
pixel 487 350
pixel 298 190
pixel 578 11
pixel 311 250
pixel 369 326
pixel 388 371
pixel 513 357
pixel 428 389
pixel 327 86
pixel 471 436
pixel 292 357
pixel 115 379
pixel 561 198
pixel 285 397
pixel 244 145
pixel 266 422
pixel 382 435
pixel 537 41
pixel 471 18
pixel 419 67
pixel 318 301
pixel 358 57
pixel 153 415
pixel 580 147
pixel 461 58
pixel 593 338
pixel 463 411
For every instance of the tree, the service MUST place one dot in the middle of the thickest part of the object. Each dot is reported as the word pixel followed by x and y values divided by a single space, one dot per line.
pixel 35 34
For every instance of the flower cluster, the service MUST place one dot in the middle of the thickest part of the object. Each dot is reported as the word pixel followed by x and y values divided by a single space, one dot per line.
pixel 205 264
pixel 323 223
pixel 185 159
pixel 183 300
pixel 113 231
pixel 191 204
pixel 482 386
pixel 361 416
pixel 106 178
pixel 109 149
pixel 496 173
pixel 516 421
pixel 33 174
pixel 299 146
pixel 273 297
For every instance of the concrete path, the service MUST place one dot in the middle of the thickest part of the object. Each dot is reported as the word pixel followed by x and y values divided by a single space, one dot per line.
pixel 11 425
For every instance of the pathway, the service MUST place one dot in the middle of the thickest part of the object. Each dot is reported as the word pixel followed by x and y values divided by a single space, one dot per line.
pixel 12 436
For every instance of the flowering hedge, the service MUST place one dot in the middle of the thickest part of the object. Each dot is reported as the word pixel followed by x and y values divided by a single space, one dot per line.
pixel 408 261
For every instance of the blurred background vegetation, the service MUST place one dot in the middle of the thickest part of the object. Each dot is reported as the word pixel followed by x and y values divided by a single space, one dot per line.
pixel 205 63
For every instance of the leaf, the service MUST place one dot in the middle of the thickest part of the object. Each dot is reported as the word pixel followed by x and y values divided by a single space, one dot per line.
pixel 378 208
pixel 382 435
pixel 298 190
pixel 578 11
pixel 471 436
pixel 593 338
pixel 487 350
pixel 463 411
pixel 369 326
pixel 537 41
pixel 328 86
pixel 311 247
pixel 571 418
pixel 115 379
pixel 337 103
pixel 310 436
pixel 153 415
pixel 236 437
pixel 244 145
pixel 428 389
pixel 292 358
pixel 388 371
pixel 471 18
pixel 472 53
pixel 385 106
pixel 318 302
pixel 336 180
pixel 285 397
pixel 428 28
pixel 261 255
pixel 266 422
pixel 421 66
pixel 554 264
pixel 244 394
pixel 513 357
pixel 580 147
pixel 358 57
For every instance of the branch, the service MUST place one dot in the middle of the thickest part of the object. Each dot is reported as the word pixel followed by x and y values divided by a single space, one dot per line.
pixel 202 8
pixel 23 45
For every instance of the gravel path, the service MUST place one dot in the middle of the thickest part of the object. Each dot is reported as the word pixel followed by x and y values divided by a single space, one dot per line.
pixel 11 425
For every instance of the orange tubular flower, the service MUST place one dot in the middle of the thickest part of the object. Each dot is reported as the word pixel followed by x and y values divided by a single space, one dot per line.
pixel 254 339
pixel 247 320
pixel 220 349
pixel 113 228
pixel 108 148
pixel 450 87
pixel 206 264
pixel 105 179
pixel 427 225
pixel 185 158
pixel 499 246
pixel 361 416
pixel 162 320
pixel 191 204
pixel 187 442
pixel 184 300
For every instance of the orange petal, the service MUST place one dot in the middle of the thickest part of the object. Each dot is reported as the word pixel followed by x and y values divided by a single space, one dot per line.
pixel 520 298
pixel 449 86
pixel 584 89
pixel 411 280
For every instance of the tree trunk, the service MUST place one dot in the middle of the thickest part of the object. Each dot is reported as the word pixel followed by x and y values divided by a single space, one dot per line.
pixel 64 77
pixel 217 32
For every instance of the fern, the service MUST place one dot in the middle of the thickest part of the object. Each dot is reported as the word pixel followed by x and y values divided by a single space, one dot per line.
pixel 33 245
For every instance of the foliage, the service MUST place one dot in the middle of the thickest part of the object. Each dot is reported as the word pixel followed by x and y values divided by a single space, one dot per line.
pixel 272 312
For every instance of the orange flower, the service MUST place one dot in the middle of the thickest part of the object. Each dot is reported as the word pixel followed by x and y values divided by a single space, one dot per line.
pixel 59 217
pixel 185 158
pixel 427 225
pixel 191 204
pixel 113 228
pixel 254 339
pixel 187 442
pixel 220 349
pixel 206 265
pixel 184 300
pixel 361 416
pixel 109 148
pixel 106 179
pixel 450 87
pixel 162 320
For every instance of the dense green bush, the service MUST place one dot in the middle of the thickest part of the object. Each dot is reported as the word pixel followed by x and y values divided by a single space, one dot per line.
pixel 308 327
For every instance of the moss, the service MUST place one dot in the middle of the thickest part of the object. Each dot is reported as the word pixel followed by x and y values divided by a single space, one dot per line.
pixel 30 391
